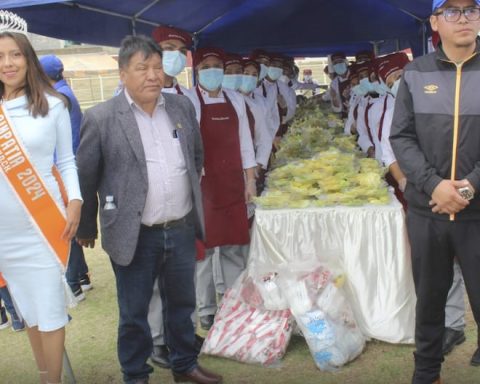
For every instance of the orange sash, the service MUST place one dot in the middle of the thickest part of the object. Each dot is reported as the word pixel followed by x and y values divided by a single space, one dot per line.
pixel 29 187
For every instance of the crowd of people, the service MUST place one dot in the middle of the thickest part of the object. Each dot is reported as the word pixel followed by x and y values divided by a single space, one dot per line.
pixel 172 172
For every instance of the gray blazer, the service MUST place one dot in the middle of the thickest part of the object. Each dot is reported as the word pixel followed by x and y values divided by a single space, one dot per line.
pixel 111 161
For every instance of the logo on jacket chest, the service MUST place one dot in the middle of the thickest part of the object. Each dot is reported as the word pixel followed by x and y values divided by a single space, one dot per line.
pixel 430 89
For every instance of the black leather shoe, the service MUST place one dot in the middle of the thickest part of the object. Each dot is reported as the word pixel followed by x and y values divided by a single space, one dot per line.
pixel 206 322
pixel 452 338
pixel 161 356
pixel 198 343
pixel 198 375
pixel 476 358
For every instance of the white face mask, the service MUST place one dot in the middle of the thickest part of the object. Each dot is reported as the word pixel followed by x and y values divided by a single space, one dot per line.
pixel 395 86
pixel 173 62
pixel 274 73
pixel 340 68
pixel 263 72
pixel 232 81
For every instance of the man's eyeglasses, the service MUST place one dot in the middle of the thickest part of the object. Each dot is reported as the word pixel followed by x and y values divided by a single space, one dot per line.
pixel 454 14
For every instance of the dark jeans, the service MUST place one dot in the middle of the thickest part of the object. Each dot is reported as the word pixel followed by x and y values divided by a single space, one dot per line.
pixel 77 266
pixel 7 299
pixel 434 244
pixel 170 254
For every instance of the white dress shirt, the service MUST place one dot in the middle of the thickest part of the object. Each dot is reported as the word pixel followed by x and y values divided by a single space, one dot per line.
pixel 291 99
pixel 354 101
pixel 173 88
pixel 273 117
pixel 246 144
pixel 169 195
pixel 262 140
pixel 335 90
pixel 388 157
pixel 374 119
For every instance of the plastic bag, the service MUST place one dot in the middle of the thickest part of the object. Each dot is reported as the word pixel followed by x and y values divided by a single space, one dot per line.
pixel 301 284
pixel 273 298
pixel 323 314
pixel 246 332
pixel 331 343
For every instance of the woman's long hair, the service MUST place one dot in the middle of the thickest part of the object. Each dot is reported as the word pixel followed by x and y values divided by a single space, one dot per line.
pixel 37 83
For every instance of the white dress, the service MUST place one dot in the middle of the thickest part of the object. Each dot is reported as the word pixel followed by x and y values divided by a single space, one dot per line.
pixel 33 274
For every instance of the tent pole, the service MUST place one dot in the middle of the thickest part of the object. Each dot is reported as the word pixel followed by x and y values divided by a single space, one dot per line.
pixel 424 37
pixel 134 26
pixel 375 48
pixel 146 8
pixel 110 13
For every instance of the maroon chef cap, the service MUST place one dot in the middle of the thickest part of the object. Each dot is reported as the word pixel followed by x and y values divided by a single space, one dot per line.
pixel 163 33
pixel 232 58
pixel 251 61
pixel 203 53
pixel 390 63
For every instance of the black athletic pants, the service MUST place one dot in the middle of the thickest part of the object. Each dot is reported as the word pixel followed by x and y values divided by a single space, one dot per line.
pixel 434 244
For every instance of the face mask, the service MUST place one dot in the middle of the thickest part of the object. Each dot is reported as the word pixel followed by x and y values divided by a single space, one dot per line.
pixel 394 88
pixel 366 85
pixel 340 68
pixel 211 78
pixel 232 81
pixel 173 62
pixel 381 88
pixel 263 72
pixel 284 79
pixel 359 90
pixel 274 73
pixel 375 86
pixel 307 78
pixel 249 83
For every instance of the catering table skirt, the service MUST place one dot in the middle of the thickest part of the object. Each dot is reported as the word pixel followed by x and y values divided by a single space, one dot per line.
pixel 369 243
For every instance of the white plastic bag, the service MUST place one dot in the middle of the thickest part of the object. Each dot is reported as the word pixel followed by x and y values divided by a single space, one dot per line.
pixel 244 331
pixel 323 314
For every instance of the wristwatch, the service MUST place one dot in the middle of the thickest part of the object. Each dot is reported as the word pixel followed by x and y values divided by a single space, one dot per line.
pixel 466 193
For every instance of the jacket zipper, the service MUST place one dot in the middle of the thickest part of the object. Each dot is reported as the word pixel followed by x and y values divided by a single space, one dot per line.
pixel 456 119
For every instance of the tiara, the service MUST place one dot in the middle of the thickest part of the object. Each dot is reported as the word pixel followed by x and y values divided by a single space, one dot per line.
pixel 10 22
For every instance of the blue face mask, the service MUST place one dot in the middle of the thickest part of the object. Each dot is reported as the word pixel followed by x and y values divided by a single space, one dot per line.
pixel 211 78
pixel 381 88
pixel 394 88
pixel 249 83
pixel 366 85
pixel 340 68
pixel 232 81
pixel 263 72
pixel 274 73
pixel 173 62
pixel 359 90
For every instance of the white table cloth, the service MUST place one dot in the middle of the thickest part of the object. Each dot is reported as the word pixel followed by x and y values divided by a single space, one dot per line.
pixel 369 243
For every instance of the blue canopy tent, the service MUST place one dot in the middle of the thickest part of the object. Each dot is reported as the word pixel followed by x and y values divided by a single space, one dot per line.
pixel 294 27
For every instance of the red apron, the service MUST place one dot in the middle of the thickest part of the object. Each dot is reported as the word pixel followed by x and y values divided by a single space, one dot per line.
pixel 179 91
pixel 344 90
pixel 223 186
pixel 282 129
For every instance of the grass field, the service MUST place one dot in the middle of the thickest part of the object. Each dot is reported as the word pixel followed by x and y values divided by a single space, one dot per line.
pixel 91 346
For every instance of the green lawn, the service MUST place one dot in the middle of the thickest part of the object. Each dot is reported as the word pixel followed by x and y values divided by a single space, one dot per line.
pixel 91 346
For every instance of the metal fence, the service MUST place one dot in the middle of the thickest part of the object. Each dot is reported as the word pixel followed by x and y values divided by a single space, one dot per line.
pixel 95 89
pixel 92 90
